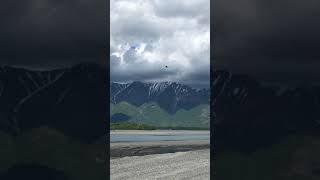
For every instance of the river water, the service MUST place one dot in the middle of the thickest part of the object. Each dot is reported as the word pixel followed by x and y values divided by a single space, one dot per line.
pixel 157 135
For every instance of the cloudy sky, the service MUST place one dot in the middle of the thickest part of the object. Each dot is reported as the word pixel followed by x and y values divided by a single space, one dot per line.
pixel 148 35
pixel 274 40
pixel 53 33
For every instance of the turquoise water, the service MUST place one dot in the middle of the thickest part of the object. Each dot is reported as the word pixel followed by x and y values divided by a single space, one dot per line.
pixel 152 138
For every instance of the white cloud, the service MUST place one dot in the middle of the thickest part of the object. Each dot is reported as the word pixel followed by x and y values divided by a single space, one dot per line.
pixel 147 35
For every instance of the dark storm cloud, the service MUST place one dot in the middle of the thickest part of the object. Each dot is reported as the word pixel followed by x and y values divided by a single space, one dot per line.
pixel 45 33
pixel 264 37
pixel 141 76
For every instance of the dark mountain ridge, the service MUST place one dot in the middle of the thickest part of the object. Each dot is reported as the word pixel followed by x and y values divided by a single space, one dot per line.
pixel 170 96
pixel 72 100
pixel 249 115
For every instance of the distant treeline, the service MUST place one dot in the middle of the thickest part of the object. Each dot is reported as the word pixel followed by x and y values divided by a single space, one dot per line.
pixel 184 128
pixel 130 126
pixel 138 126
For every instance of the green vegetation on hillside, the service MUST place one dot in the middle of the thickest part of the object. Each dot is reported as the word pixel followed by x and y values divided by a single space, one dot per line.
pixel 186 128
pixel 130 126
pixel 50 148
pixel 151 114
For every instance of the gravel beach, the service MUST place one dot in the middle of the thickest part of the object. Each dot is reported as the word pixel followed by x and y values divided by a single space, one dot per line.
pixel 120 150
pixel 179 165
pixel 148 160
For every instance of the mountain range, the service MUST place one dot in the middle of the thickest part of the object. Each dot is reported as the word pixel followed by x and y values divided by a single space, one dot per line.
pixel 246 113
pixel 249 115
pixel 161 104
pixel 72 100
pixel 170 96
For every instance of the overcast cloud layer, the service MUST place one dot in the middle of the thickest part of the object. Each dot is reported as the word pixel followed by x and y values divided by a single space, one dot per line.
pixel 52 33
pixel 148 35
pixel 274 40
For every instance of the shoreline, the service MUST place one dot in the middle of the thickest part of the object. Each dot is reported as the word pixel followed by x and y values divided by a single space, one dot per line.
pixel 127 149
pixel 160 132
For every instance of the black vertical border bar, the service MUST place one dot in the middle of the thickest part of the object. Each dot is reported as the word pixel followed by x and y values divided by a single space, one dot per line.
pixel 107 58
pixel 212 114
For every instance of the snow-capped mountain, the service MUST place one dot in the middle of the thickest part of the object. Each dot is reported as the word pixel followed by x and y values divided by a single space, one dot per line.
pixel 170 96
pixel 72 100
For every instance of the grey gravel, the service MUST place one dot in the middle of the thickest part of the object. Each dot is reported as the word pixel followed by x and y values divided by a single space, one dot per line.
pixel 193 165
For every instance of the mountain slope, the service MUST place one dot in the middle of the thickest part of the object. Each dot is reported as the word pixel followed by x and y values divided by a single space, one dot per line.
pixel 249 115
pixel 154 115
pixel 72 100
pixel 170 96
pixel 163 104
